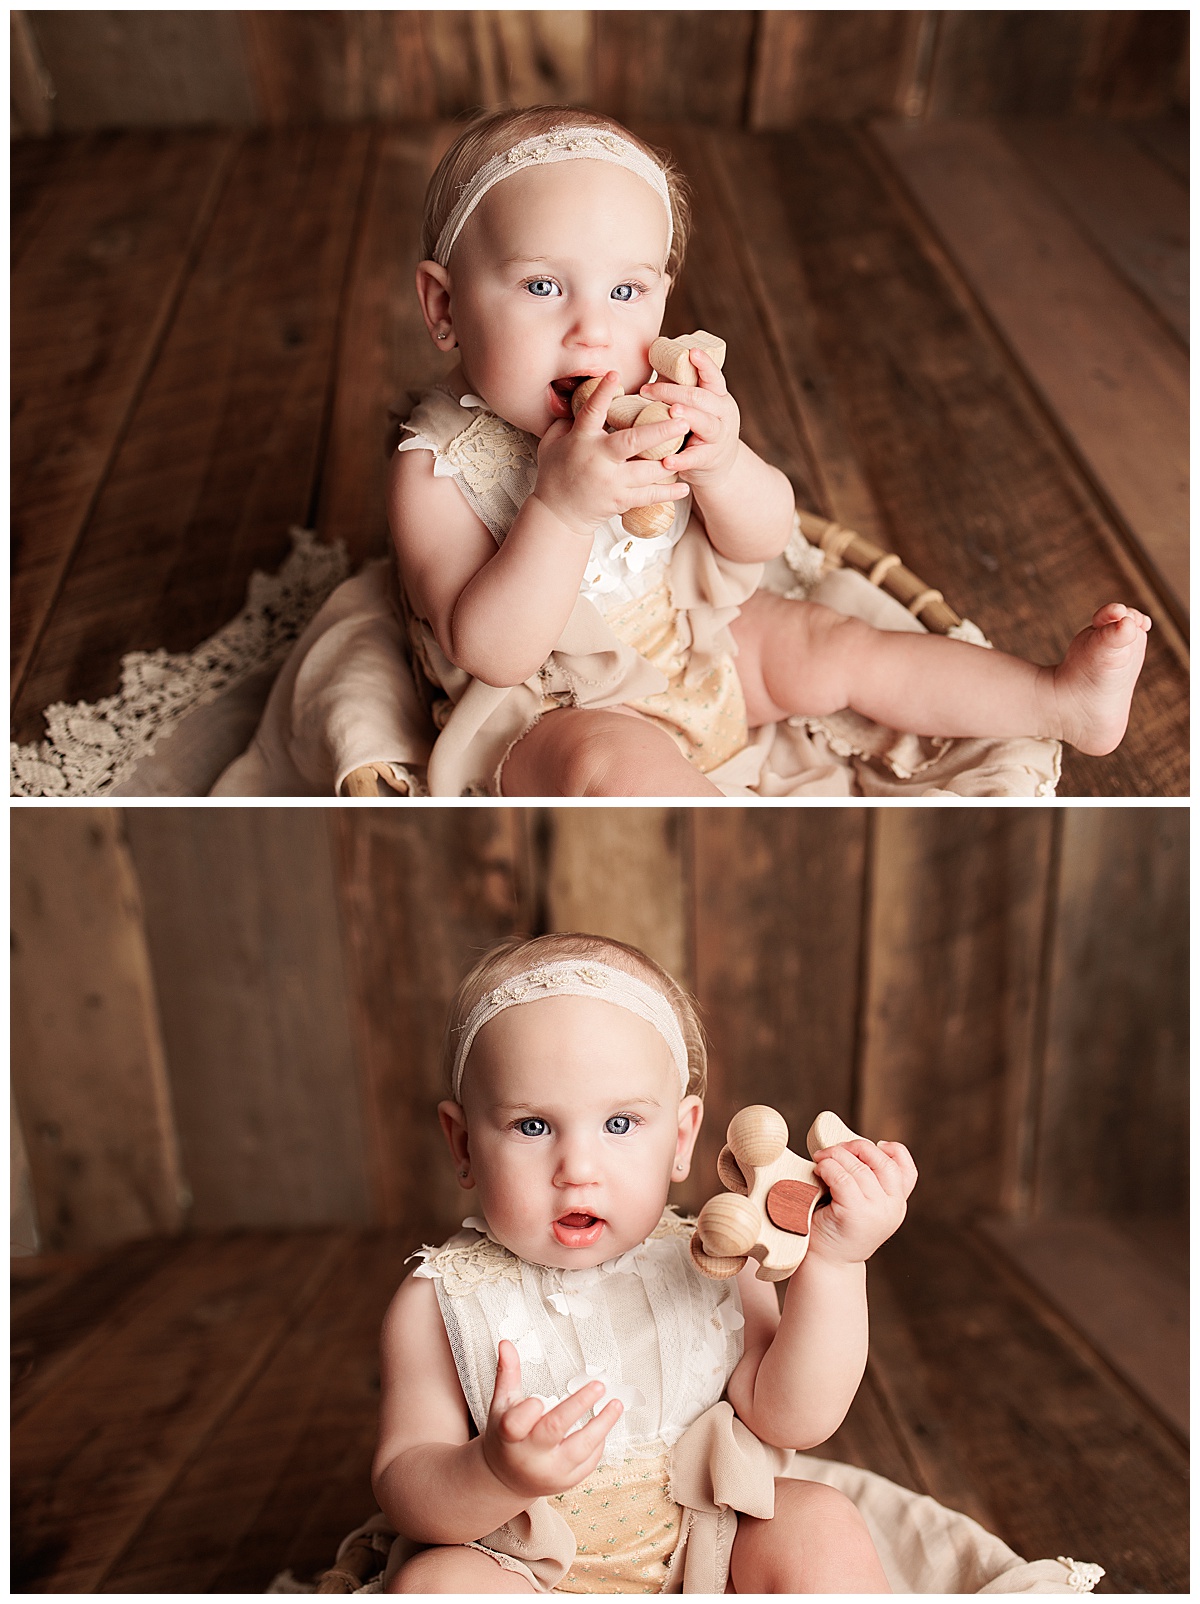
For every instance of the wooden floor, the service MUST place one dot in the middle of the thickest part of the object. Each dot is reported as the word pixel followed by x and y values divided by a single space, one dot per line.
pixel 966 339
pixel 198 1415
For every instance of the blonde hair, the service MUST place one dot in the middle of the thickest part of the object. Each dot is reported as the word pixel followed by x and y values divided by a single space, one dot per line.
pixel 519 953
pixel 494 132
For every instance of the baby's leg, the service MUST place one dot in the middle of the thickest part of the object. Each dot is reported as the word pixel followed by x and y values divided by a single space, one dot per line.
pixel 599 752
pixel 799 657
pixel 455 1570
pixel 817 1542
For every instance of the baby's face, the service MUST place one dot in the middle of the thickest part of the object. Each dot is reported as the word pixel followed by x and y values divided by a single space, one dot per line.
pixel 558 275
pixel 574 1126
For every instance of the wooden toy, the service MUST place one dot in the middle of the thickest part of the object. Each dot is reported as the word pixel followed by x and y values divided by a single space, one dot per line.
pixel 671 362
pixel 767 1212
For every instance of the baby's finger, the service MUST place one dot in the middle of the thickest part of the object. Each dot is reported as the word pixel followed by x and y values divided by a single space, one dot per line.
pixel 680 395
pixel 518 1421
pixel 632 442
pixel 903 1160
pixel 650 495
pixel 845 1174
pixel 710 376
pixel 588 1439
pixel 593 414
pixel 555 1423
pixel 507 1390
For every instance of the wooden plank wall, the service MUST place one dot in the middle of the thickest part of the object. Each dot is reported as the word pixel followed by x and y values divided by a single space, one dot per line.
pixel 81 70
pixel 233 1017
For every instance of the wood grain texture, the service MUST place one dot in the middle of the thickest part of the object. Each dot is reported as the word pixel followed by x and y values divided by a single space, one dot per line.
pixel 1133 1312
pixel 144 68
pixel 1065 1459
pixel 955 910
pixel 222 450
pixel 1138 64
pixel 243 930
pixel 102 239
pixel 1122 199
pixel 32 104
pixel 1168 140
pixel 777 926
pixel 91 1460
pixel 22 1213
pixel 839 64
pixel 423 893
pixel 975 493
pixel 88 1067
pixel 716 291
pixel 286 1474
pixel 1019 62
pixel 625 873
pixel 55 1326
pixel 338 66
pixel 1114 1099
pixel 384 352
pixel 1111 375
pixel 673 66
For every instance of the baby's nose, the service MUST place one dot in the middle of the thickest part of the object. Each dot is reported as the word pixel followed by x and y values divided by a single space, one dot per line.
pixel 591 325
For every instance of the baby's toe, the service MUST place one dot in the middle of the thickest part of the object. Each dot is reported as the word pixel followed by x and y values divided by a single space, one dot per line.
pixel 1108 614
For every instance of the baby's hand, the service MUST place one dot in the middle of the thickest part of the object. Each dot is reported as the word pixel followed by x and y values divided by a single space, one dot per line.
pixel 712 415
pixel 531 1453
pixel 868 1185
pixel 585 475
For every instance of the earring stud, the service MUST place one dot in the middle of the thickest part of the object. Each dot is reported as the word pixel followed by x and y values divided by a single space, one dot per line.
pixel 444 336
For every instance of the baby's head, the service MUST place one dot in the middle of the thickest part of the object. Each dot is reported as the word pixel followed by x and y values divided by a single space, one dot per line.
pixel 575 1067
pixel 558 269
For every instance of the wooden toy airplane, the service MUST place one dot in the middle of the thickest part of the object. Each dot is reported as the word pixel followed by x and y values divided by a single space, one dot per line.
pixel 767 1212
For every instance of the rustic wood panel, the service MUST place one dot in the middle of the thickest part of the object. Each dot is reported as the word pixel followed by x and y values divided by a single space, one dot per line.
pixel 223 448
pixel 1128 1307
pixel 716 292
pixel 1121 197
pixel 286 1474
pixel 977 496
pixel 87 1057
pixel 91 1459
pixel 1112 376
pixel 144 68
pixel 778 925
pixel 674 66
pixel 1138 64
pixel 1114 1116
pixel 956 908
pixel 23 1225
pixel 1066 1459
pixel 32 106
pixel 338 66
pixel 58 1324
pixel 840 64
pixel 625 873
pixel 1168 139
pixel 423 892
pixel 244 935
pixel 384 351
pixel 102 243
pixel 1021 62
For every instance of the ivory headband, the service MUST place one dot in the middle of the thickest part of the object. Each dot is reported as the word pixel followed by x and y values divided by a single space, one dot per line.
pixel 573 979
pixel 561 145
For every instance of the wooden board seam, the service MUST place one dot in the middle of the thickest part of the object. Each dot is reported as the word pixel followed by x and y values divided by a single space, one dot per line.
pixel 1074 1339
pixel 205 214
pixel 257 1362
pixel 1118 537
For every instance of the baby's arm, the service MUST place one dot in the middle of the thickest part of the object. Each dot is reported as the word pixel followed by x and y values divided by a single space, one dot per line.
pixel 432 1479
pixel 746 505
pixel 799 1372
pixel 498 613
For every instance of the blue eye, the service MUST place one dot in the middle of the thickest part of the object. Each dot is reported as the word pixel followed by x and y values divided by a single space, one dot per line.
pixel 619 1125
pixel 541 286
pixel 532 1127
pixel 624 292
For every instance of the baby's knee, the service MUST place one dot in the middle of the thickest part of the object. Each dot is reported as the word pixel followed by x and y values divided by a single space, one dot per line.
pixel 602 753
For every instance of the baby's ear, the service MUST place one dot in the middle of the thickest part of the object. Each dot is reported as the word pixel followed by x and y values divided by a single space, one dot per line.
pixel 454 1124
pixel 433 292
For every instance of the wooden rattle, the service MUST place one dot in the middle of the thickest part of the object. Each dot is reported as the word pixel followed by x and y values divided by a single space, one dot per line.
pixel 670 361
pixel 767 1211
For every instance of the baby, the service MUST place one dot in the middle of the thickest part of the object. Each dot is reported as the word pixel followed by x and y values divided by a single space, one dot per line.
pixel 568 657
pixel 568 1405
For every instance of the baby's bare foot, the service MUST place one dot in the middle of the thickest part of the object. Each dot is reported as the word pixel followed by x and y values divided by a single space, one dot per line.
pixel 1094 682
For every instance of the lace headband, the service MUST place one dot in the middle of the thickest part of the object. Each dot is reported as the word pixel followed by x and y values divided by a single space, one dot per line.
pixel 562 145
pixel 574 979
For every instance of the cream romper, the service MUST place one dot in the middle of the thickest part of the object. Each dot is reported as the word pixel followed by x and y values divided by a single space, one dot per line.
pixel 649 631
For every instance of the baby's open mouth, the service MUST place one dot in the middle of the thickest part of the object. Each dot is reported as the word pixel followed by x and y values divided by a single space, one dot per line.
pixel 578 1229
pixel 563 389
